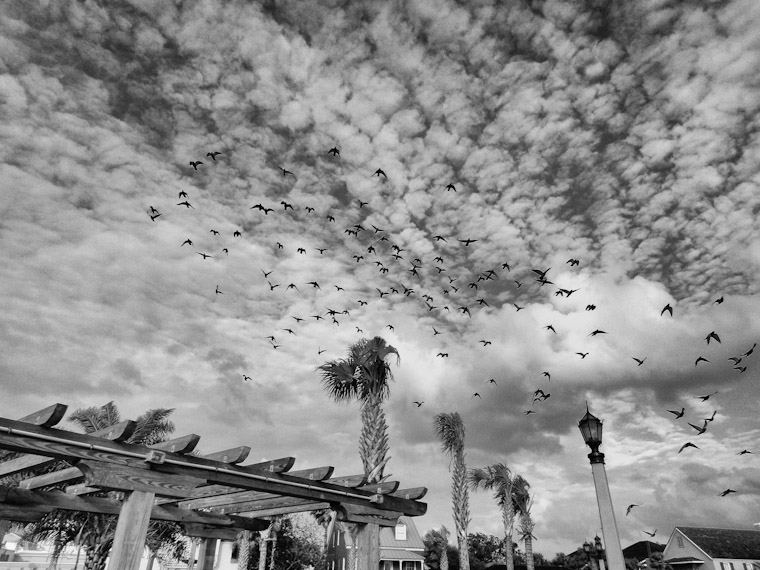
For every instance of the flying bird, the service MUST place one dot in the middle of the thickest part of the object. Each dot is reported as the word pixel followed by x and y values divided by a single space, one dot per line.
pixel 435 332
pixel 744 452
pixel 195 164
pixel 186 204
pixel 218 292
pixel 379 172
pixel 450 187
pixel 687 444
pixel 246 378
pixel 677 414
pixel 700 359
pixel 707 397
pixel 750 350
pixel 213 155
pixel 334 151
pixel 628 510
pixel 590 307
pixel 651 533
pixel 204 255
pixel 518 307
pixel 485 342
pixel 712 417
pixel 216 233
pixel 582 354
pixel 726 492
pixel 572 262
pixel 153 217
pixel 528 412
pixel 713 335
pixel 492 381
pixel 285 172
pixel 639 360
pixel 700 430
pixel 443 354
pixel 418 404
pixel 550 328
pixel 667 308
pixel 719 300
pixel 476 394
pixel 549 376
pixel 467 241
pixel 596 332
pixel 188 241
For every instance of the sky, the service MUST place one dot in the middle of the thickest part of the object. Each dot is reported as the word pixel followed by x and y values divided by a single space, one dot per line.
pixel 624 135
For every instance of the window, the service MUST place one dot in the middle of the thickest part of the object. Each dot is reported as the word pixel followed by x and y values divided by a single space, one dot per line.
pixel 748 566
pixel 400 531
pixel 679 540
pixel 726 566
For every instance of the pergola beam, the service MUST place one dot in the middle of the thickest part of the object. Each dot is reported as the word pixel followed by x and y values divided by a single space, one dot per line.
pixel 42 502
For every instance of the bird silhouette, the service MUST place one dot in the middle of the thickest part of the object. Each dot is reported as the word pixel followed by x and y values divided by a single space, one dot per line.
pixel 285 172
pixel 573 262
pixel 204 255
pixel 218 292
pixel 273 287
pixel 195 164
pixel 187 242
pixel 706 397
pixel 266 273
pixel 379 172
pixel 518 307
pixel 550 328
pixel 744 452
pixel 528 412
pixel 418 404
pixel 476 394
pixel 450 187
pixel 596 332
pixel 314 284
pixel 582 354
pixel 651 533
pixel 700 359
pixel 492 381
pixel 286 205
pixel 236 233
pixel 443 354
pixel 639 360
pixel 590 307
pixel 628 510
pixel 439 238
pixel 467 241
pixel 667 308
pixel 213 155
pixel 726 492
pixel 362 204
pixel 712 417
pixel 334 151
pixel 750 350
pixel 677 414
pixel 153 217
pixel 485 342
pixel 216 233
pixel 700 430
pixel 246 378
pixel 719 300
pixel 186 204
pixel 687 444
pixel 435 332
pixel 712 335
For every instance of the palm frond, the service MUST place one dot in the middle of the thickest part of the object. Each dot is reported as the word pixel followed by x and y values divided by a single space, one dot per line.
pixel 152 427
pixel 95 417
pixel 338 380
pixel 449 428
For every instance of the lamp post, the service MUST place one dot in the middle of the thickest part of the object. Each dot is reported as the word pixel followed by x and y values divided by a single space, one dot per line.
pixel 591 429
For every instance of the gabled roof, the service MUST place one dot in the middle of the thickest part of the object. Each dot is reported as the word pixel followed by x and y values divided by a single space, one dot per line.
pixel 738 544
pixel 413 539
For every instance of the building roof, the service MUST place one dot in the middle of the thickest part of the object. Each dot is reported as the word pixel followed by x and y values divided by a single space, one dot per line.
pixel 738 544
pixel 638 550
pixel 399 554
pixel 413 538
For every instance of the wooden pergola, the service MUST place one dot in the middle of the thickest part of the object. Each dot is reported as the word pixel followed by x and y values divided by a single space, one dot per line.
pixel 212 496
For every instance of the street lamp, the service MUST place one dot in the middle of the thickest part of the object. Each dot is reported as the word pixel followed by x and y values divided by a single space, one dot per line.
pixel 591 429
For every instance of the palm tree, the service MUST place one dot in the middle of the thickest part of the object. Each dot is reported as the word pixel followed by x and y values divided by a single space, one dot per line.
pixel 95 532
pixel 444 561
pixel 244 549
pixel 450 430
pixel 523 502
pixel 365 376
pixel 498 478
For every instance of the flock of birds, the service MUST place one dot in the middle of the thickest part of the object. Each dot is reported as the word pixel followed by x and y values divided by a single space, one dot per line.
pixel 400 275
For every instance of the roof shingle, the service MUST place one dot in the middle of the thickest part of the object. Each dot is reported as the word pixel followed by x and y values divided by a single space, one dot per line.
pixel 725 542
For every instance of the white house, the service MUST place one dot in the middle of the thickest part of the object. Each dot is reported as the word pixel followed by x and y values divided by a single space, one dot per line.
pixel 695 548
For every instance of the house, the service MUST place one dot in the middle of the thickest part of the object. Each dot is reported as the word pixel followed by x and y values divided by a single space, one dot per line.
pixel 696 548
pixel 642 550
pixel 401 548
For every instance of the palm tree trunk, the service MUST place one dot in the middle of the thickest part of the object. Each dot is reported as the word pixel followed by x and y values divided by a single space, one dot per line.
pixel 244 549
pixel 529 552
pixel 508 516
pixel 263 536
pixel 151 560
pixel 373 440
pixel 460 497
pixel 443 562
pixel 274 549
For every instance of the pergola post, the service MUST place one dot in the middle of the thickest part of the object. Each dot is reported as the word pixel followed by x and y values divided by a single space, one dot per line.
pixel 206 554
pixel 368 547
pixel 131 529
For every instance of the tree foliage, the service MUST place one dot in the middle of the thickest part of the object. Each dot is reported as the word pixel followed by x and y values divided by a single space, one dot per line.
pixel 295 547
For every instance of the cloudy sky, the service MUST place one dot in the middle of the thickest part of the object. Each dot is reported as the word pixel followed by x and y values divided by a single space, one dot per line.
pixel 624 135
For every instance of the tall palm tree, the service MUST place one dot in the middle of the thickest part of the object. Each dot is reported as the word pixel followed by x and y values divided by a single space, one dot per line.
pixel 365 376
pixel 498 478
pixel 95 532
pixel 450 430
pixel 523 502
pixel 244 549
